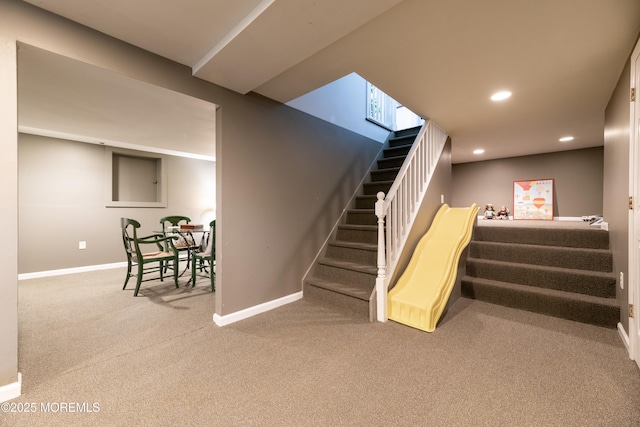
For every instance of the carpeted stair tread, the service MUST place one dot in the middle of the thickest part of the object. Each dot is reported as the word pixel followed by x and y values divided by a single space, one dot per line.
pixel 544 291
pixel 341 288
pixel 362 217
pixel 568 237
pixel 573 280
pixel 358 227
pixel 384 174
pixel 347 265
pixel 391 162
pixel 396 151
pixel 355 245
pixel 366 201
pixel 567 305
pixel 555 256
pixel 362 253
pixel 402 140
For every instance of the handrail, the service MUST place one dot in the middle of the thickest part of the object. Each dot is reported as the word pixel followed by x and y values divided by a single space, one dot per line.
pixel 401 204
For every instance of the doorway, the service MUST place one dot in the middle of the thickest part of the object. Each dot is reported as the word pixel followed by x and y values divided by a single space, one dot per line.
pixel 634 209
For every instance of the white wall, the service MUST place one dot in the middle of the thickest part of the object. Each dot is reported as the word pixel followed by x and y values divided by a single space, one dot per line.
pixel 343 103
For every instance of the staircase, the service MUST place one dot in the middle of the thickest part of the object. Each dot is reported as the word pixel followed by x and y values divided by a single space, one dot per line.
pixel 345 276
pixel 561 272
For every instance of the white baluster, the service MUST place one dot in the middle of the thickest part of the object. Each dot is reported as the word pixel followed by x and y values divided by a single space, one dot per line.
pixel 381 291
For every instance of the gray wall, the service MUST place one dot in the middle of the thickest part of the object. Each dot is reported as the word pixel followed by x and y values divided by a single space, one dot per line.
pixel 616 183
pixel 266 153
pixel 577 178
pixel 62 201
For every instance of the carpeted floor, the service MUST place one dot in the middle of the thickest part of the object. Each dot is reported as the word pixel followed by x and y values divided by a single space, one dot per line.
pixel 159 360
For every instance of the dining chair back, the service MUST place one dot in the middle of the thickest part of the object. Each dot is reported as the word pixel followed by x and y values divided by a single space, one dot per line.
pixel 203 264
pixel 163 255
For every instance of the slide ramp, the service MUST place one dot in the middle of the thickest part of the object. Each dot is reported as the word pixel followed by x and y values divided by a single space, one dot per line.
pixel 422 292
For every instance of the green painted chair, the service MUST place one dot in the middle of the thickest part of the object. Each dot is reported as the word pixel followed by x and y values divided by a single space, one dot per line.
pixel 185 240
pixel 203 264
pixel 164 254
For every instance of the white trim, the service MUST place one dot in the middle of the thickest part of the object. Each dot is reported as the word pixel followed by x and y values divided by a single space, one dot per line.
pixel 39 274
pixel 11 391
pixel 257 309
pixel 624 337
pixel 633 273
pixel 555 218
pixel 109 142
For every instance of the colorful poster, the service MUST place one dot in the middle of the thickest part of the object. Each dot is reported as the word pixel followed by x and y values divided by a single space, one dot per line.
pixel 533 199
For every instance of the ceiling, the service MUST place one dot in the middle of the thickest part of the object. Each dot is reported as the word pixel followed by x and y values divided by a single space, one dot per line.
pixel 443 60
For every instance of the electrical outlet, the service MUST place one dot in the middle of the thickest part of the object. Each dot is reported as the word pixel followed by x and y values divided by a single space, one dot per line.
pixel 621 280
pixel 82 245
pixel 442 198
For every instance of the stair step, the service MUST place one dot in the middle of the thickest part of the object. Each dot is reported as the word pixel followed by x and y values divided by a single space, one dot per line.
pixel 366 202
pixel 399 141
pixel 349 273
pixel 384 174
pixel 358 233
pixel 414 131
pixel 336 296
pixel 565 279
pixel 341 288
pixel 574 238
pixel 392 162
pixel 375 187
pixel 361 253
pixel 362 217
pixel 553 256
pixel 398 151
pixel 567 305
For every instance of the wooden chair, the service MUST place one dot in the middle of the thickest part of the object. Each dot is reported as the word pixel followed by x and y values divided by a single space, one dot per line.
pixel 204 262
pixel 164 255
pixel 185 242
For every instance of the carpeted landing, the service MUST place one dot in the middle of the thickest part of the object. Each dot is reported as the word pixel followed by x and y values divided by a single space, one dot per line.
pixel 158 360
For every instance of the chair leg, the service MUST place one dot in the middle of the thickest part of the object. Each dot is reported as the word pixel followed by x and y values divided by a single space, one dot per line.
pixel 175 270
pixel 139 281
pixel 128 274
pixel 193 272
pixel 212 274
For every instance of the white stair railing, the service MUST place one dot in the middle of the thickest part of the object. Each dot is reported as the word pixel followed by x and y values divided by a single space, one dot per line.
pixel 401 204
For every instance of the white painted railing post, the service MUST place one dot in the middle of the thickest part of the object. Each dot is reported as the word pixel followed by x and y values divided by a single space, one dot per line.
pixel 381 291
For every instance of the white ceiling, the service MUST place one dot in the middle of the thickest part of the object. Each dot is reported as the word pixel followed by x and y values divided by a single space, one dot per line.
pixel 442 59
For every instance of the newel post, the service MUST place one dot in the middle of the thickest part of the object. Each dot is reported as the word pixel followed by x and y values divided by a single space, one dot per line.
pixel 381 292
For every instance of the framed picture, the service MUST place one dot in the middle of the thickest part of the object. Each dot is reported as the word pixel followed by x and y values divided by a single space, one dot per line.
pixel 533 199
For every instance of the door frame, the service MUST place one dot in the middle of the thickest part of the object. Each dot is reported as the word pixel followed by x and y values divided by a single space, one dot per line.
pixel 634 210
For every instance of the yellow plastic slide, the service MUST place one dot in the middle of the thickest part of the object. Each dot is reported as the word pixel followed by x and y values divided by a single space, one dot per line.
pixel 419 297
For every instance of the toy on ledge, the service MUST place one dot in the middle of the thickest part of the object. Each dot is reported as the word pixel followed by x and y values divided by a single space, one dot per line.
pixel 503 213
pixel 489 212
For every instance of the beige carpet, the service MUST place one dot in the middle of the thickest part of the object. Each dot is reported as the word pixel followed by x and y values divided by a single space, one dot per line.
pixel 158 360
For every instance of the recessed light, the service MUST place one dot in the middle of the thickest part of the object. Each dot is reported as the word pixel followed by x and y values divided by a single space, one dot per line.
pixel 566 139
pixel 478 151
pixel 501 96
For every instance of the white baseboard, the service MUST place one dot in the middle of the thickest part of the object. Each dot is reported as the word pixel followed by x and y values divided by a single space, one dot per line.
pixel 11 391
pixel 555 218
pixel 39 274
pixel 625 338
pixel 252 311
